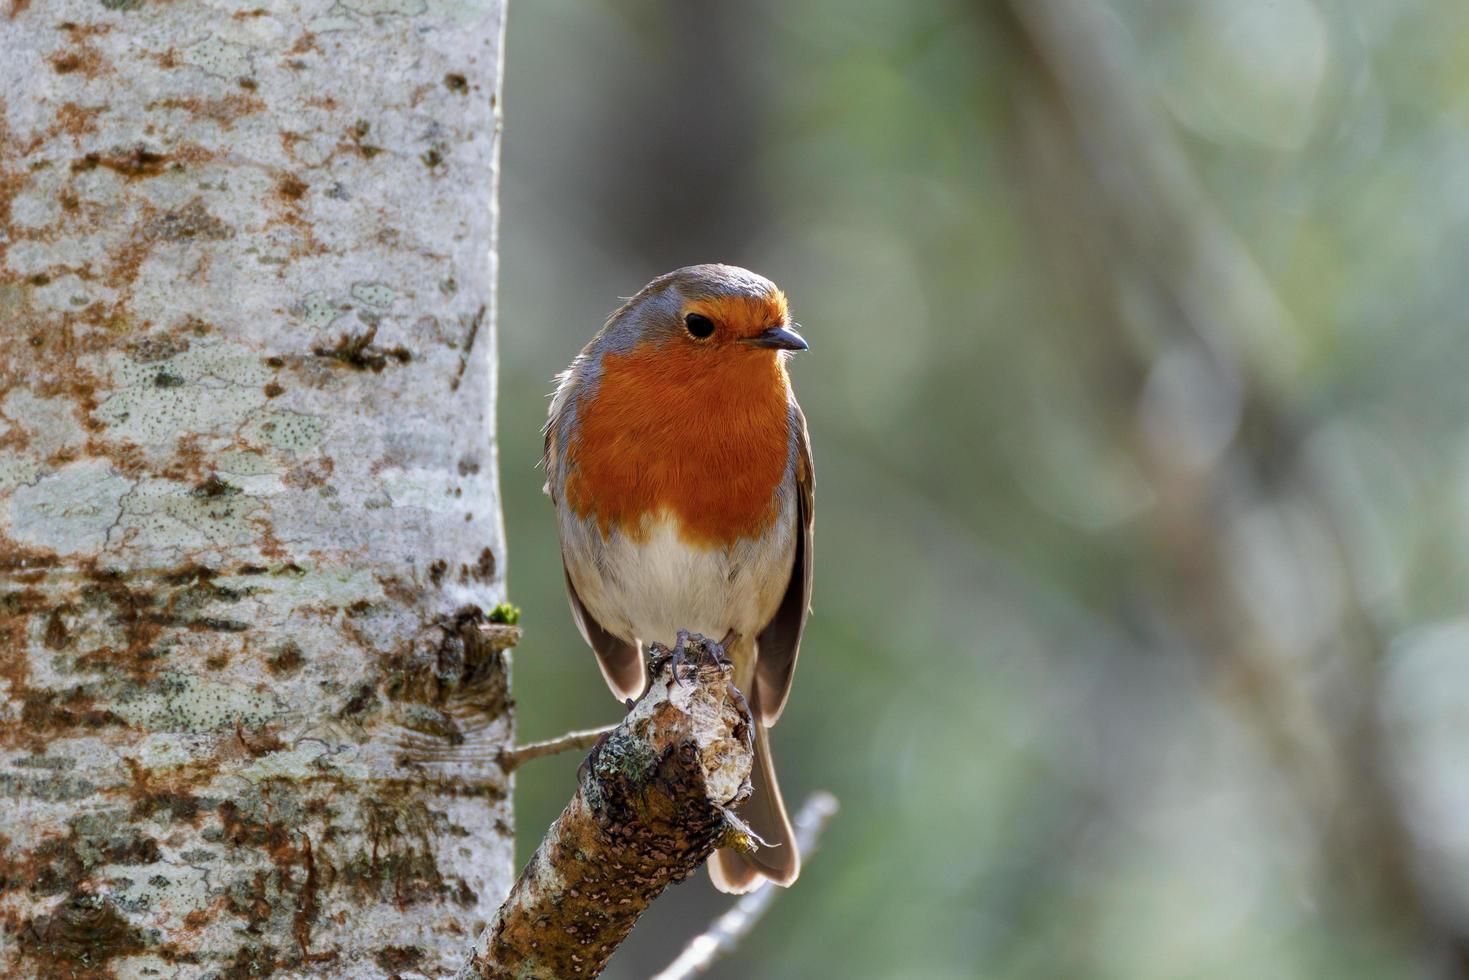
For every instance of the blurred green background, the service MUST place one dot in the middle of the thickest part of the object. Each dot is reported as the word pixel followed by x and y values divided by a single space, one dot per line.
pixel 1138 396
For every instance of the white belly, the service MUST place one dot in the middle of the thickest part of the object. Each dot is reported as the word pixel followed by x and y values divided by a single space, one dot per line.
pixel 647 590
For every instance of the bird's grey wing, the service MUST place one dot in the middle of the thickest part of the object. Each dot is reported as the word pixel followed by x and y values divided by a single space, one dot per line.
pixel 621 661
pixel 780 640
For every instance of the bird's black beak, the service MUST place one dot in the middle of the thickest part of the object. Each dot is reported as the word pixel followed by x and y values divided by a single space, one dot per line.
pixel 779 338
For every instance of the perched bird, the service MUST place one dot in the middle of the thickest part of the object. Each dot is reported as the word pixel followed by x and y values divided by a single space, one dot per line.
pixel 680 468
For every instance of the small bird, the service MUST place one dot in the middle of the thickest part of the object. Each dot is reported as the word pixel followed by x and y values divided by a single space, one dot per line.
pixel 680 469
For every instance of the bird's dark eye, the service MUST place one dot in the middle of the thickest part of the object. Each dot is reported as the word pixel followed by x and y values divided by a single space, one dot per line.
pixel 700 327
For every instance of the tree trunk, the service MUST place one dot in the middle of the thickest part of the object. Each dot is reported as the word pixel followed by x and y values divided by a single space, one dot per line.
pixel 248 499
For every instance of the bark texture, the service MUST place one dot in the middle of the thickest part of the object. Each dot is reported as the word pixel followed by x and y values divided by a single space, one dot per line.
pixel 248 504
pixel 651 804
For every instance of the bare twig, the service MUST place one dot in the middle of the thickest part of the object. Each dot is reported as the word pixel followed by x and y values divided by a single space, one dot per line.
pixel 512 759
pixel 652 801
pixel 721 938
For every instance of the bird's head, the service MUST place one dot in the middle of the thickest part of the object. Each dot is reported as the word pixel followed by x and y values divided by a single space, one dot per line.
pixel 714 311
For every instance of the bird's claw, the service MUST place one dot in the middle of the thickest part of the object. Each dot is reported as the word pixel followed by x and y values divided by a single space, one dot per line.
pixel 721 649
pixel 739 698
pixel 679 654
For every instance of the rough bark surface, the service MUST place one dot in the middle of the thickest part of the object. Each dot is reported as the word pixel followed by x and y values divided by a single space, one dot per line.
pixel 248 504
pixel 651 804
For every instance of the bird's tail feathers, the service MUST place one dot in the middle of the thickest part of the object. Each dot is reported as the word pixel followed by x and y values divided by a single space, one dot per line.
pixel 737 872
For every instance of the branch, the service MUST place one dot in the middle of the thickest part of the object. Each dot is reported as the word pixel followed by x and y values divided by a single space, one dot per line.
pixel 725 934
pixel 512 759
pixel 652 801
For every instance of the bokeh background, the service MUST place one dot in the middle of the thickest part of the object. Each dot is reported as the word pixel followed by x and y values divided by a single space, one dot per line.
pixel 1138 396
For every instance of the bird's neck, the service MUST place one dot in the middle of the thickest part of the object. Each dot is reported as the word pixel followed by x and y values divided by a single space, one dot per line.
pixel 702 436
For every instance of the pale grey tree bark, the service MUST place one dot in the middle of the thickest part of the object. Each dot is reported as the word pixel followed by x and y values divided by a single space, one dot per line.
pixel 248 502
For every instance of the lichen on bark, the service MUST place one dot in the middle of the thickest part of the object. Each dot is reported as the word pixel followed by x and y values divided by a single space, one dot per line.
pixel 249 715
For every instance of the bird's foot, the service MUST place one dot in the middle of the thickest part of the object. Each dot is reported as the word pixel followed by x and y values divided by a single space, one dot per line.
pixel 721 649
pixel 705 650
pixel 679 654
pixel 739 698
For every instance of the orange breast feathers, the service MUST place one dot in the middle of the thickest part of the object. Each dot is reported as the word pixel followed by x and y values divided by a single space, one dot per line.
pixel 701 433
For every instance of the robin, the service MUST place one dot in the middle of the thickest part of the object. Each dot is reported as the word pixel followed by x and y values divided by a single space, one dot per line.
pixel 680 468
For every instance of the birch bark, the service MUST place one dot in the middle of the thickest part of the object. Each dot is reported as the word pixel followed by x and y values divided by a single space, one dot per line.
pixel 248 498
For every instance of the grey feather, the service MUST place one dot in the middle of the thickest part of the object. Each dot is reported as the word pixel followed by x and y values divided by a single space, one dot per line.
pixel 780 640
pixel 621 662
